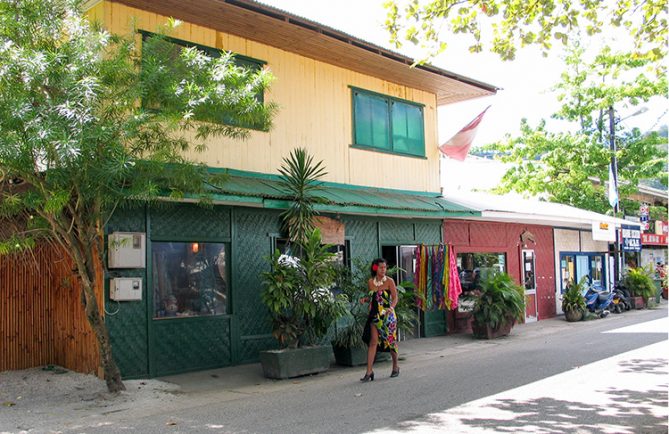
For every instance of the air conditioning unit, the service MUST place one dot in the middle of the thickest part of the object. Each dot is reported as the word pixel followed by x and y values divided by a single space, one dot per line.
pixel 127 250
pixel 125 288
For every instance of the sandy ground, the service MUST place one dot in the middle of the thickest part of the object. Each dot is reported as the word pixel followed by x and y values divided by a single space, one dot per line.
pixel 34 400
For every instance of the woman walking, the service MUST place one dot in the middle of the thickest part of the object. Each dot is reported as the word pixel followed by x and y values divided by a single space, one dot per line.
pixel 381 324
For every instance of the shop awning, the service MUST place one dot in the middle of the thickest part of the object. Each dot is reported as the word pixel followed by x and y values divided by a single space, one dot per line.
pixel 265 191
pixel 513 209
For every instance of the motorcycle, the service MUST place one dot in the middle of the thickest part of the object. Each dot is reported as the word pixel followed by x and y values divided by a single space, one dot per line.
pixel 598 300
pixel 621 299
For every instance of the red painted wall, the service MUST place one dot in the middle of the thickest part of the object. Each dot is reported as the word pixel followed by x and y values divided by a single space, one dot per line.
pixel 490 237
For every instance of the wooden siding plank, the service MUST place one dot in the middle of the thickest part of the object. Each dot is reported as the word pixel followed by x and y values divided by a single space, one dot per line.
pixel 314 111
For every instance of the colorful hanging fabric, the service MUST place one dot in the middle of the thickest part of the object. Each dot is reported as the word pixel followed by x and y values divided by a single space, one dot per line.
pixel 454 287
pixel 445 272
pixel 420 276
pixel 437 277
pixel 429 294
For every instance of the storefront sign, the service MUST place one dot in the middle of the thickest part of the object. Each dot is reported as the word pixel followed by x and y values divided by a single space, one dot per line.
pixel 603 231
pixel 332 231
pixel 644 211
pixel 631 238
pixel 653 240
pixel 661 228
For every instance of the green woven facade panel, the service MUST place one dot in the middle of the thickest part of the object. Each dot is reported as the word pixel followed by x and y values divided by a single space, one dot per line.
pixel 434 323
pixel 252 245
pixel 251 347
pixel 127 321
pixel 428 233
pixel 396 231
pixel 362 233
pixel 177 222
pixel 188 344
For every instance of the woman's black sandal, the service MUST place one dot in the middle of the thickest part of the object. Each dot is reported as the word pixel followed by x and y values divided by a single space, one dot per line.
pixel 368 377
pixel 395 373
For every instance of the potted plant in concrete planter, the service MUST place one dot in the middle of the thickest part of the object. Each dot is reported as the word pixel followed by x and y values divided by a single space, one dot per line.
pixel 573 302
pixel 298 288
pixel 499 305
pixel 303 307
pixel 641 286
pixel 348 347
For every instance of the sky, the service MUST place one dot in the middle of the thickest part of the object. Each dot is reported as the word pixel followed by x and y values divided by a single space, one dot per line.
pixel 525 82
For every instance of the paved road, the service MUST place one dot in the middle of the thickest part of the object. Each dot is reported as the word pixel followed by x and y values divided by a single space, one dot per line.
pixel 541 379
pixel 599 376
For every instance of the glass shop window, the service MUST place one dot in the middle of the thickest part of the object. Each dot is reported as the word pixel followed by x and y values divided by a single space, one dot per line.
pixel 474 266
pixel 189 279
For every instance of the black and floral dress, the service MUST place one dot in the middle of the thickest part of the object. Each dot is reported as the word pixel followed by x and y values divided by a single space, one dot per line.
pixel 382 316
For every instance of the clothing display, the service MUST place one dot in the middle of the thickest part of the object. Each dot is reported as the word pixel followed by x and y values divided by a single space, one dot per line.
pixel 436 278
pixel 382 316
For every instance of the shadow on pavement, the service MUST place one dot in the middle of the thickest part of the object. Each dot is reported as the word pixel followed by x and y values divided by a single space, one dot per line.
pixel 622 411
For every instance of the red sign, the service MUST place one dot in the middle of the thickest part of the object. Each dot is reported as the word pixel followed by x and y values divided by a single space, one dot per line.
pixel 653 240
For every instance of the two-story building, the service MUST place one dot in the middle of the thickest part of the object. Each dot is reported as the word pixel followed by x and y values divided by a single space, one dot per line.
pixel 361 109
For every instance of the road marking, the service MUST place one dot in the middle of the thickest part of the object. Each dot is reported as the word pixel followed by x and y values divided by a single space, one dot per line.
pixel 656 326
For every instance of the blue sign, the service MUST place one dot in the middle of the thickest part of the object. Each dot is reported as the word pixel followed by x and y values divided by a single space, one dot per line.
pixel 631 238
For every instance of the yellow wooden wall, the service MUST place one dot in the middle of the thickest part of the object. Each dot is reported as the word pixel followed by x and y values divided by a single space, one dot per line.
pixel 314 111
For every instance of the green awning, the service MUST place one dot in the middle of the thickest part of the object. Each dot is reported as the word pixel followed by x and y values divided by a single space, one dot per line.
pixel 263 190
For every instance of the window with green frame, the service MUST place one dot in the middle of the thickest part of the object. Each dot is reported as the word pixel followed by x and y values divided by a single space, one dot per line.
pixel 387 124
pixel 172 50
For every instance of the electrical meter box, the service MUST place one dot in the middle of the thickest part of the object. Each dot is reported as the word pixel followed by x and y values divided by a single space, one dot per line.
pixel 125 288
pixel 127 250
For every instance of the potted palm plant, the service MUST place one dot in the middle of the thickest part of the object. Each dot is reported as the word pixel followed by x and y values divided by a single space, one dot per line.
pixel 297 290
pixel 499 305
pixel 573 302
pixel 641 286
pixel 303 307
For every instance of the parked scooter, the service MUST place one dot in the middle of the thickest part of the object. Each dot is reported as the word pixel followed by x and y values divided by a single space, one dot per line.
pixel 621 299
pixel 598 300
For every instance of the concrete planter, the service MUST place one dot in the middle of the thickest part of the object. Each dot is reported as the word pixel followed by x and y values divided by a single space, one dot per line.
pixel 356 356
pixel 290 363
pixel 484 331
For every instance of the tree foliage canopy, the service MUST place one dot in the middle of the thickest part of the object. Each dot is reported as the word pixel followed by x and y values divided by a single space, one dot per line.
pixel 571 167
pixel 514 24
pixel 91 121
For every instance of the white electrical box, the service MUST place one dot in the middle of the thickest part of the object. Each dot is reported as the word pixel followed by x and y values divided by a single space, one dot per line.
pixel 125 288
pixel 127 250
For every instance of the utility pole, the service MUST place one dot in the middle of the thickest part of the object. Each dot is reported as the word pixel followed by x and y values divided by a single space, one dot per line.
pixel 614 175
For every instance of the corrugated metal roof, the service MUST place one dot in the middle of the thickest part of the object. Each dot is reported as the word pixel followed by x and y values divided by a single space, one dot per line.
pixel 267 190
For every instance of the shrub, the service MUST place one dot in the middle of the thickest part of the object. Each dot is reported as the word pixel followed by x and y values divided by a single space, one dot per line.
pixel 640 283
pixel 501 300
pixel 573 298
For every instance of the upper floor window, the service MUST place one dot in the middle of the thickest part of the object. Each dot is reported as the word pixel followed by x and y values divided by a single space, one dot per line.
pixel 387 124
pixel 170 48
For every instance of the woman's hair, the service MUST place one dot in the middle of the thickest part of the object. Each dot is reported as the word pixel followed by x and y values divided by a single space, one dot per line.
pixel 375 265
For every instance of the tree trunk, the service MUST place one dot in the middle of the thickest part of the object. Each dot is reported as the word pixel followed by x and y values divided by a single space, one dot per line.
pixel 84 258
pixel 111 371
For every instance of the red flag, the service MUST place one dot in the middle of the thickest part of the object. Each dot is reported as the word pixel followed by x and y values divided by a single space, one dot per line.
pixel 457 147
